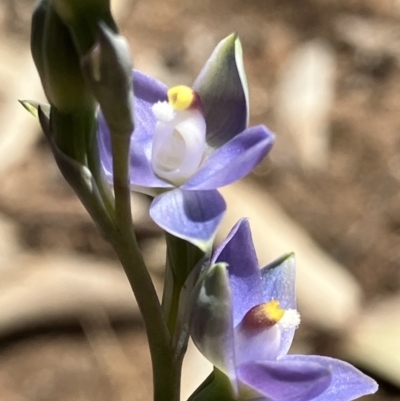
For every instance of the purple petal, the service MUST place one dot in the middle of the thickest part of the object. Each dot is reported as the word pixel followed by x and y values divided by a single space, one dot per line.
pixel 233 160
pixel 191 215
pixel 285 380
pixel 211 324
pixel 348 383
pixel 147 91
pixel 278 282
pixel 244 275
pixel 222 88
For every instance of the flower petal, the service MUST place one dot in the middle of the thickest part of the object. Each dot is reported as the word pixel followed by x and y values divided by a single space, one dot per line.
pixel 191 215
pixel 147 91
pixel 285 380
pixel 348 383
pixel 278 282
pixel 233 160
pixel 222 87
pixel 211 325
pixel 244 275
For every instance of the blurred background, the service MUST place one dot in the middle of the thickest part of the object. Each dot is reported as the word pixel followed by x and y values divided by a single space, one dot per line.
pixel 325 76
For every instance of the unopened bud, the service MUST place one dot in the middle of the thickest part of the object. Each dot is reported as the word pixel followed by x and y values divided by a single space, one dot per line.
pixel 108 71
pixel 57 61
pixel 82 18
pixel 72 10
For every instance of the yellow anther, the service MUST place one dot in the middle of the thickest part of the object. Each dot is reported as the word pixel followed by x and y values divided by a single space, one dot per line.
pixel 273 311
pixel 263 316
pixel 181 97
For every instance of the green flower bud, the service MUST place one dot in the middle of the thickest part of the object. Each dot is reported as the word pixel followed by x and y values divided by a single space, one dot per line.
pixel 108 71
pixel 72 10
pixel 57 61
pixel 82 18
pixel 37 36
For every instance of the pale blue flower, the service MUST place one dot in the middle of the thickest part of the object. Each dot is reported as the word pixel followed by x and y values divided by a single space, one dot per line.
pixel 243 321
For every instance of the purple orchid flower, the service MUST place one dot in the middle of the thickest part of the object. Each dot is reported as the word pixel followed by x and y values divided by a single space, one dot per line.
pixel 189 142
pixel 243 321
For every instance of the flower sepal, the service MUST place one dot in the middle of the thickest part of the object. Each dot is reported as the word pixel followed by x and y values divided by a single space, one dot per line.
pixel 211 322
pixel 222 85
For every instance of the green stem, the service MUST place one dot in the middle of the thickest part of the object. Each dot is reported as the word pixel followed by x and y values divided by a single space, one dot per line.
pixel 166 372
pixel 174 308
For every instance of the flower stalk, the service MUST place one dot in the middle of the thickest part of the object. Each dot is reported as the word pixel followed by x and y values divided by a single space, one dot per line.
pixel 166 377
